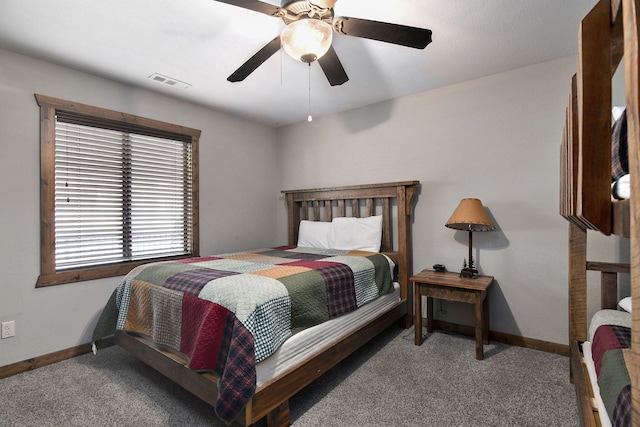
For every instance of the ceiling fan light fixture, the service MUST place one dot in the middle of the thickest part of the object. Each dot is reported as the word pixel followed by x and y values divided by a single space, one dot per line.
pixel 306 40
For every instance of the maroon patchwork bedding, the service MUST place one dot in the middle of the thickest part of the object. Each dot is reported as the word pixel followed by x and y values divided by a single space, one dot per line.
pixel 610 351
pixel 225 313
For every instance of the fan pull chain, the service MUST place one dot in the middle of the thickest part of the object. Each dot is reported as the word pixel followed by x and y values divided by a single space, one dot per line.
pixel 309 118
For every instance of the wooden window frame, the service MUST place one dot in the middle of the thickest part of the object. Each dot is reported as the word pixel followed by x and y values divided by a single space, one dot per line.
pixel 48 108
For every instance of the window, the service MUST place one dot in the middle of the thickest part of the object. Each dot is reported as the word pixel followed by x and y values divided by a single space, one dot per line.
pixel 116 191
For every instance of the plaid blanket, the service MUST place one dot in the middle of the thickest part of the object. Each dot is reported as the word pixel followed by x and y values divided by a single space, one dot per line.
pixel 226 313
pixel 610 353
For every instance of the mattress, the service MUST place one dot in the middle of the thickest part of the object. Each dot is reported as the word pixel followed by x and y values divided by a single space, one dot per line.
pixel 313 340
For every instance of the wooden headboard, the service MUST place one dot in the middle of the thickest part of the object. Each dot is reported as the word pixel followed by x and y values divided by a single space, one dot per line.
pixel 323 204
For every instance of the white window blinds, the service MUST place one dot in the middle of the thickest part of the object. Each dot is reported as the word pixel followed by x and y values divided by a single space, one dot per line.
pixel 122 193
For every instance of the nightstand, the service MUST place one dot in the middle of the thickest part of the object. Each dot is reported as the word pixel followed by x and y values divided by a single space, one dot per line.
pixel 451 287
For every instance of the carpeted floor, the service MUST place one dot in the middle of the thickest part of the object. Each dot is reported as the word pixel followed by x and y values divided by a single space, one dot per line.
pixel 389 382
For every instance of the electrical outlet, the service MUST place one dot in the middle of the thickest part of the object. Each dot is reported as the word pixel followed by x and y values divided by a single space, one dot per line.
pixel 8 329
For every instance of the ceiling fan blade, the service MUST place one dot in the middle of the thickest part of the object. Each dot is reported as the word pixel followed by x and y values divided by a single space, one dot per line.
pixel 332 67
pixel 255 61
pixel 414 37
pixel 255 5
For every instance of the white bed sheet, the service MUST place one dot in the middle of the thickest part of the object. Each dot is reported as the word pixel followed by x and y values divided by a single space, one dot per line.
pixel 313 340
pixel 591 368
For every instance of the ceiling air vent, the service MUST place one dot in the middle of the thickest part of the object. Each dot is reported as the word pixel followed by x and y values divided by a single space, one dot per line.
pixel 169 81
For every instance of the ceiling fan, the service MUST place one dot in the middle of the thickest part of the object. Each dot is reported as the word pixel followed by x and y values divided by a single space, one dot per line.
pixel 316 19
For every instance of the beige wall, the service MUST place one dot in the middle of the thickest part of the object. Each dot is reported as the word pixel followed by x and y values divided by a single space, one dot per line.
pixel 495 138
pixel 238 196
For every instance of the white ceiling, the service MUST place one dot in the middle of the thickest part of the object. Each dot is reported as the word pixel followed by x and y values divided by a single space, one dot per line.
pixel 201 42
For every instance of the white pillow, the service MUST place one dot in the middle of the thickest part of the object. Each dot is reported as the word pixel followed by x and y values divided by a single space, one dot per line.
pixel 314 234
pixel 625 304
pixel 616 112
pixel 357 233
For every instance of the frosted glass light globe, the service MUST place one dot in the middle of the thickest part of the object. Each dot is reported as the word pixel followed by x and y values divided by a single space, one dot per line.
pixel 306 40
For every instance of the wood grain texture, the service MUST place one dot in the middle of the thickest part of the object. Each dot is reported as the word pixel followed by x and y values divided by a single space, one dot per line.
pixel 608 281
pixel 631 9
pixel 594 116
pixel 116 116
pixel 47 190
pixel 451 287
pixel 577 283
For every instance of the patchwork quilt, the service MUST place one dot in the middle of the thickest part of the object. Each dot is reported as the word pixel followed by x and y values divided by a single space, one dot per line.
pixel 225 313
pixel 610 349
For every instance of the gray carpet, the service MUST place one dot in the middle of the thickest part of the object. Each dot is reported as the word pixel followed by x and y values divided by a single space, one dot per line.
pixel 389 382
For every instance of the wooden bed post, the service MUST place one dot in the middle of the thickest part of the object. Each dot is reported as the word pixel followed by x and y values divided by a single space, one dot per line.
pixel 405 267
pixel 577 283
pixel 577 286
pixel 630 12
pixel 293 219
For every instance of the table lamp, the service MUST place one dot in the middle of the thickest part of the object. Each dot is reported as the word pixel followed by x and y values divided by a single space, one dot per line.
pixel 470 215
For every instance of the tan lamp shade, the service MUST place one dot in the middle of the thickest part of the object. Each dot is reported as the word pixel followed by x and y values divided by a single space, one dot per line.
pixel 470 215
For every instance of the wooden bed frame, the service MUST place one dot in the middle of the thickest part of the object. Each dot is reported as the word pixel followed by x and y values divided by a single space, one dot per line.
pixel 272 399
pixel 608 34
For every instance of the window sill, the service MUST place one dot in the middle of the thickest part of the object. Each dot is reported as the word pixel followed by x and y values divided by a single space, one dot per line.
pixel 93 273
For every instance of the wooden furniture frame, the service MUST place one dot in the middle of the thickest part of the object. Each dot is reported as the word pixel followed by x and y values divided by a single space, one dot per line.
pixel 95 116
pixel 608 34
pixel 451 287
pixel 272 399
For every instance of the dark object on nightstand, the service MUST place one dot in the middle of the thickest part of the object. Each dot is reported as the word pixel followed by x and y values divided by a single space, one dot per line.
pixel 469 273
pixel 439 268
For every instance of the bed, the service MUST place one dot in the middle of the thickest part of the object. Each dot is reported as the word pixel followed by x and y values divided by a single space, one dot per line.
pixel 604 349
pixel 293 355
